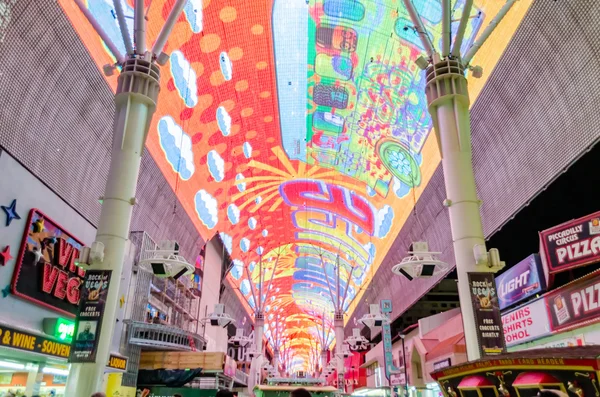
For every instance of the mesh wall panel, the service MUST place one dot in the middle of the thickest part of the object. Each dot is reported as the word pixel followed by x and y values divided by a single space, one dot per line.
pixel 536 115
pixel 56 115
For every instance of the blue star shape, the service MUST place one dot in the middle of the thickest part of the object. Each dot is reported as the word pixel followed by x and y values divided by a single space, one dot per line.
pixel 6 291
pixel 11 212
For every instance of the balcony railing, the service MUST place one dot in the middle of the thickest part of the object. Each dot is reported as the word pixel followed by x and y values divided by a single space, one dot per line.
pixel 164 337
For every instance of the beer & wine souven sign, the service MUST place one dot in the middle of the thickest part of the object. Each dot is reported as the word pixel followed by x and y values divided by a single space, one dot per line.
pixel 572 244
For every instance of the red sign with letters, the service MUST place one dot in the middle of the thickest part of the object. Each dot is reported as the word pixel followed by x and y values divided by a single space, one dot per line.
pixel 574 303
pixel 45 272
pixel 571 244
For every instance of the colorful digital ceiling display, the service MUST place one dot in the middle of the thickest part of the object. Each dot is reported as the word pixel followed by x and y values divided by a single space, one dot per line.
pixel 298 131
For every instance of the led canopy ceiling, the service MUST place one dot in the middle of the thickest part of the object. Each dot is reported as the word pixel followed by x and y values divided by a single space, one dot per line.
pixel 298 130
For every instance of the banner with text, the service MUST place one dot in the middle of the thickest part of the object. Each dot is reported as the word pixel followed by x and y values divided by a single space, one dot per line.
pixel 526 323
pixel 575 303
pixel 521 281
pixel 89 319
pixel 572 244
pixel 487 313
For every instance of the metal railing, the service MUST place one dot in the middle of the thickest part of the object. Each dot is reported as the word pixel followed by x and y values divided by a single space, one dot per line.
pixel 158 336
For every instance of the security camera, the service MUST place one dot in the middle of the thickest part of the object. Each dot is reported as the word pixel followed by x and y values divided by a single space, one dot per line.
pixel 476 71
pixel 420 263
pixel 422 62
pixel 166 261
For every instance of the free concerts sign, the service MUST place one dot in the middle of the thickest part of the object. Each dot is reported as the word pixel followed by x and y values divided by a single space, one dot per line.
pixel 488 321
pixel 575 303
pixel 45 272
pixel 572 244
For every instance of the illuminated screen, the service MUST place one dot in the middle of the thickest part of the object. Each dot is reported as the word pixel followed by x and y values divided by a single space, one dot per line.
pixel 298 130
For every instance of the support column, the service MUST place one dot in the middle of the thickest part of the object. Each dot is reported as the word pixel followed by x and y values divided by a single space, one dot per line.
pixel 137 90
pixel 338 324
pixel 255 366
pixel 323 362
pixel 276 360
pixel 35 376
pixel 448 100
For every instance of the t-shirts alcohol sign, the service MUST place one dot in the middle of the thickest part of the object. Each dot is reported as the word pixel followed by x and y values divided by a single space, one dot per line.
pixel 45 272
pixel 487 314
pixel 572 244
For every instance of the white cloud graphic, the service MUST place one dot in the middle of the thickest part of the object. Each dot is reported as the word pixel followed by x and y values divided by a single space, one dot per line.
pixel 216 165
pixel 177 147
pixel 224 121
pixel 384 221
pixel 226 67
pixel 227 241
pixel 247 149
pixel 245 287
pixel 401 189
pixel 251 266
pixel 238 269
pixel 193 13
pixel 233 213
pixel 244 244
pixel 260 250
pixel 242 185
pixel 252 223
pixel 265 233
pixel 258 200
pixel 184 78
pixel 207 208
pixel 370 191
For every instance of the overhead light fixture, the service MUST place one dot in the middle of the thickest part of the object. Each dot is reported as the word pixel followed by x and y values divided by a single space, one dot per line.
pixel 374 318
pixel 218 317
pixel 420 263
pixel 422 62
pixel 166 262
pixel 11 365
pixel 55 371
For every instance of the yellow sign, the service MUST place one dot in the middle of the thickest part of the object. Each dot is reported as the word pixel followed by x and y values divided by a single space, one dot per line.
pixel 17 339
pixel 117 362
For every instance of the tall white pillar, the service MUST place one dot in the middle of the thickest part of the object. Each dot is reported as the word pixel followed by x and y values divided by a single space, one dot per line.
pixel 448 100
pixel 338 324
pixel 255 365
pixel 135 101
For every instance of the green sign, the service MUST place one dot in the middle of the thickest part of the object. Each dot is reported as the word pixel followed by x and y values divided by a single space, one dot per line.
pixel 62 329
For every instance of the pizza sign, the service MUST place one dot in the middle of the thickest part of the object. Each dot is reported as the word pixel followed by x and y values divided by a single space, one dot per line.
pixel 46 271
pixel 572 244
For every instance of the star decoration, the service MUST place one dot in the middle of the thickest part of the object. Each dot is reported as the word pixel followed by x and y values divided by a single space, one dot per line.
pixel 122 301
pixel 5 256
pixel 38 255
pixel 38 226
pixel 6 291
pixel 11 212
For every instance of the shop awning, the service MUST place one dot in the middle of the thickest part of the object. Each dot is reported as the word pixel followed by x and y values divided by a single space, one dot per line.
pixel 475 381
pixel 535 379
pixel 454 344
pixel 371 361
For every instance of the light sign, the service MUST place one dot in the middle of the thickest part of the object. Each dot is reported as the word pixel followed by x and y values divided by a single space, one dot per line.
pixel 64 329
pixel 60 328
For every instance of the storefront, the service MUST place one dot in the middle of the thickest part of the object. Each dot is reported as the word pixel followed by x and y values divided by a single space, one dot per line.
pixel 40 237
pixel 525 374
pixel 567 316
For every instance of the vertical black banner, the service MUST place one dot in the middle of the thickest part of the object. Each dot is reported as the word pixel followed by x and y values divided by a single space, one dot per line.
pixel 488 319
pixel 89 318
